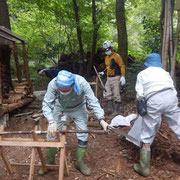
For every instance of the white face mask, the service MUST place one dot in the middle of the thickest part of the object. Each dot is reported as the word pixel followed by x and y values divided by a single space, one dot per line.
pixel 108 52
pixel 66 93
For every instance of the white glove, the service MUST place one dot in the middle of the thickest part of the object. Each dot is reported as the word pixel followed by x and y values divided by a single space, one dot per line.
pixel 52 128
pixel 101 73
pixel 104 124
pixel 122 80
pixel 139 97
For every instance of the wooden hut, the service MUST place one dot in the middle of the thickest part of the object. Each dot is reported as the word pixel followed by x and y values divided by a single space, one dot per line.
pixel 21 94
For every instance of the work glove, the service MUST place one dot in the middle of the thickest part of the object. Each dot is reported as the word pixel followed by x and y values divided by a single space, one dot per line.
pixel 52 128
pixel 122 80
pixel 139 97
pixel 101 73
pixel 104 124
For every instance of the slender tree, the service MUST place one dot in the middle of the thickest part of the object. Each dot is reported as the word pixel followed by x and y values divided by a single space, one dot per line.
pixel 122 32
pixel 76 10
pixel 95 32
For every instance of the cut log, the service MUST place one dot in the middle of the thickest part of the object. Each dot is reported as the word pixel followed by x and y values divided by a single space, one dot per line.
pixel 11 107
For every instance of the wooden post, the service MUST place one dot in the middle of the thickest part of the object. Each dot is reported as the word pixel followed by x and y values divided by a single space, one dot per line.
pixel 5 159
pixel 1 96
pixel 31 171
pixel 26 65
pixel 15 51
pixel 62 158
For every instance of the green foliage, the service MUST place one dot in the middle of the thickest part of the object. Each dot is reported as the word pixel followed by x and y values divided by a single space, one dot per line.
pixel 131 75
pixel 152 35
pixel 50 27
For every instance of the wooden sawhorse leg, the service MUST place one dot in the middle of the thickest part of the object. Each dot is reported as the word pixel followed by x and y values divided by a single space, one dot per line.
pixel 5 159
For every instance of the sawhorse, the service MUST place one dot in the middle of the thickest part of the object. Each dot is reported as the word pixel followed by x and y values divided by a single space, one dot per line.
pixel 36 143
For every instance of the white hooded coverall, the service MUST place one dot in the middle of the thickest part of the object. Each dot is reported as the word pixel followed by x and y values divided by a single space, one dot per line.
pixel 149 81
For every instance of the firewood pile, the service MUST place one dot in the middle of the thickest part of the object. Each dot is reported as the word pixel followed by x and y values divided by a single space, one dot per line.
pixel 21 91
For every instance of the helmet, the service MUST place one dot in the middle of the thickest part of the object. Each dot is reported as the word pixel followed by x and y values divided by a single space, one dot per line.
pixel 154 60
pixel 107 44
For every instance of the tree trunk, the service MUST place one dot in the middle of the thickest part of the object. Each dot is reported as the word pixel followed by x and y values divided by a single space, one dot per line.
pixel 95 32
pixel 167 44
pixel 173 65
pixel 5 50
pixel 121 28
pixel 79 35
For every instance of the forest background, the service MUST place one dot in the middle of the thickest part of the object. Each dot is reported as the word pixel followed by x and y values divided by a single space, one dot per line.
pixel 57 27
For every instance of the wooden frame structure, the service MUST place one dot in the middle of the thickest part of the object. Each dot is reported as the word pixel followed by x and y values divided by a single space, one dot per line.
pixel 12 40
pixel 36 144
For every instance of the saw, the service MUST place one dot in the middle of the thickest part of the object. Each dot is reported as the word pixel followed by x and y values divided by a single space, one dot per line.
pixel 122 133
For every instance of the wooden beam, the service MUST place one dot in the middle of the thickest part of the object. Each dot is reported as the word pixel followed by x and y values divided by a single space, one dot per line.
pixel 7 31
pixel 9 39
pixel 25 58
pixel 31 144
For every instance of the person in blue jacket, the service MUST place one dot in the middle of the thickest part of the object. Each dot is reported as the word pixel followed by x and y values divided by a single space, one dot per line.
pixel 66 96
pixel 50 73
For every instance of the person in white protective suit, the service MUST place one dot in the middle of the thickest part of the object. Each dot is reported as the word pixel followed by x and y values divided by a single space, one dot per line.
pixel 156 86
pixel 66 96
pixel 115 70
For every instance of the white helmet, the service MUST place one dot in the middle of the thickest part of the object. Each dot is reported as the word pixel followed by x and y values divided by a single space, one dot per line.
pixel 107 44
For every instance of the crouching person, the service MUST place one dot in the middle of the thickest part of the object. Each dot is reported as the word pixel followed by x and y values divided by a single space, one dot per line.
pixel 156 86
pixel 66 96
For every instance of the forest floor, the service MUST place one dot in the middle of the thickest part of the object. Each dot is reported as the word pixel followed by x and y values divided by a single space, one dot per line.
pixel 109 156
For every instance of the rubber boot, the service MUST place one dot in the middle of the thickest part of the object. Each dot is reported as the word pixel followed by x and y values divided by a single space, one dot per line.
pixel 50 158
pixel 110 107
pixel 79 164
pixel 116 110
pixel 143 167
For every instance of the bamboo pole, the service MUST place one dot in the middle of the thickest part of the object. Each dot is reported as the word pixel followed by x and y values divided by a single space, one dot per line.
pixel 45 132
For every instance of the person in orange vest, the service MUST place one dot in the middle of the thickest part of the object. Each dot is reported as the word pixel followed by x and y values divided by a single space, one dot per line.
pixel 115 78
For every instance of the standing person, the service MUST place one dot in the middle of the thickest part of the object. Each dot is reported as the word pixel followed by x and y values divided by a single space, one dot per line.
pixel 66 96
pixel 115 77
pixel 156 86
pixel 50 73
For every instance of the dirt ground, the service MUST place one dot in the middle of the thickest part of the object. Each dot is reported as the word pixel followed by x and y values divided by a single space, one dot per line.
pixel 109 156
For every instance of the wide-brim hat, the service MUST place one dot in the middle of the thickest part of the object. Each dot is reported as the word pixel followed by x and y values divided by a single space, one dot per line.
pixel 154 60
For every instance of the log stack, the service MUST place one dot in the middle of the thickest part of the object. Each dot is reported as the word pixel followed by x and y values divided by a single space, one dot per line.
pixel 21 91
pixel 17 98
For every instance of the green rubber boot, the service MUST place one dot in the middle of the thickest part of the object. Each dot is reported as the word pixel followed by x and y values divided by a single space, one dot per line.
pixel 143 167
pixel 79 164
pixel 50 158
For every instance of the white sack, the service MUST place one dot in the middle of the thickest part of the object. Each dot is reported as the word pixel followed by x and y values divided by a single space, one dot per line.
pixel 122 121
